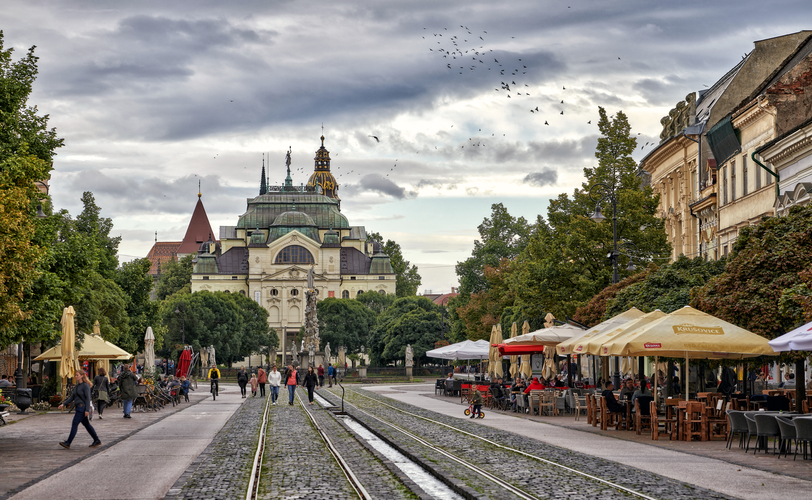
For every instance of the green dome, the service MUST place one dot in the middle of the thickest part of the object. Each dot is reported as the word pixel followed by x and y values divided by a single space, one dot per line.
pixel 257 238
pixel 381 264
pixel 331 238
pixel 293 218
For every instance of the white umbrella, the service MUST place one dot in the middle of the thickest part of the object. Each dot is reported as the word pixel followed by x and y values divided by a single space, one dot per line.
pixel 149 351
pixel 799 339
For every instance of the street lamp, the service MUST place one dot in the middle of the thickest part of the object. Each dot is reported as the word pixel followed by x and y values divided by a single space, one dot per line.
pixel 182 325
pixel 600 193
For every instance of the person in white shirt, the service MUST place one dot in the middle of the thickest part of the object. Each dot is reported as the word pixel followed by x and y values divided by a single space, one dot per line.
pixel 274 379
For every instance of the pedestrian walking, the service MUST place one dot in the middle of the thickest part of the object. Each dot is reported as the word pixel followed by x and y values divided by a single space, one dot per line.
pixel 310 381
pixel 101 389
pixel 275 379
pixel 320 371
pixel 126 384
pixel 262 378
pixel 242 380
pixel 292 380
pixel 81 399
pixel 254 385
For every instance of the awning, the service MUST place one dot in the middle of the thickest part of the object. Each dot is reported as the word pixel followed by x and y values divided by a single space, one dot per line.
pixel 723 141
pixel 93 347
pixel 513 349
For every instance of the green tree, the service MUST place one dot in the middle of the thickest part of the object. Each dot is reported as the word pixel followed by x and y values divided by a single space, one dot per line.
pixel 594 311
pixel 407 277
pixel 142 312
pixel 256 335
pixel 346 322
pixel 410 320
pixel 375 301
pixel 176 276
pixel 502 236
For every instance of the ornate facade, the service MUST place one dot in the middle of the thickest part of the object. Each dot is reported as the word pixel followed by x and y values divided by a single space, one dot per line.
pixel 285 232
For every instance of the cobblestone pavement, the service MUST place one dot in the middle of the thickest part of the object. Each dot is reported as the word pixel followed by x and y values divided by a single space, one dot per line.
pixel 30 451
pixel 223 469
pixel 528 474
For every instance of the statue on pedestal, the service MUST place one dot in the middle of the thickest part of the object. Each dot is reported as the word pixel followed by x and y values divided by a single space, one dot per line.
pixel 327 353
pixel 409 355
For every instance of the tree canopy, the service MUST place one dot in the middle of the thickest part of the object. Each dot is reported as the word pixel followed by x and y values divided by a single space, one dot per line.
pixel 346 322
pixel 410 320
pixel 408 279
pixel 176 276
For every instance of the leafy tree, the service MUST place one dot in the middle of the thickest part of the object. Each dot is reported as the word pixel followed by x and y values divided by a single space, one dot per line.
pixel 376 301
pixel 594 311
pixel 142 312
pixel 407 277
pixel 484 309
pixel 176 276
pixel 502 237
pixel 256 335
pixel 410 320
pixel 346 322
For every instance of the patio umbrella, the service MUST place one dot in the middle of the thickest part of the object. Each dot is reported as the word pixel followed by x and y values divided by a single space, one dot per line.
pixel 690 333
pixel 594 345
pixel 551 336
pixel 100 363
pixel 568 346
pixel 67 365
pixel 525 369
pixel 799 339
pixel 149 351
pixel 514 359
pixel 495 358
pixel 184 362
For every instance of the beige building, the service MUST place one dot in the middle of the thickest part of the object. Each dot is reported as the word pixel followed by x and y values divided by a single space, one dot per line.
pixel 285 232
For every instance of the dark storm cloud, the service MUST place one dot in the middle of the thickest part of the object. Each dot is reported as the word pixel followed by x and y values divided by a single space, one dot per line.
pixel 547 177
pixel 660 91
pixel 374 183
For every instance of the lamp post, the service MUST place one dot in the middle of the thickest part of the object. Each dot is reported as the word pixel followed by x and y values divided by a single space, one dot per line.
pixel 182 325
pixel 600 192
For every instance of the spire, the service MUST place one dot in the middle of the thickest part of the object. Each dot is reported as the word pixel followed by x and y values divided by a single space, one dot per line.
pixel 199 191
pixel 263 188
pixel 196 233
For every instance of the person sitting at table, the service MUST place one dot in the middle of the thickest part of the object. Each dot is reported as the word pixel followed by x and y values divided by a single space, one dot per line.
pixel 497 391
pixel 611 402
pixel 789 382
pixel 450 377
pixel 642 391
pixel 516 390
pixel 628 389
pixel 558 382
pixel 5 382
pixel 535 385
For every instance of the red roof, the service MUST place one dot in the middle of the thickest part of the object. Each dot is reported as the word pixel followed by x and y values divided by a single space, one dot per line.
pixel 199 231
pixel 163 252
pixel 442 300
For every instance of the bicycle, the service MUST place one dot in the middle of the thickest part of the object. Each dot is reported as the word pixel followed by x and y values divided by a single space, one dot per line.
pixel 215 388
pixel 471 409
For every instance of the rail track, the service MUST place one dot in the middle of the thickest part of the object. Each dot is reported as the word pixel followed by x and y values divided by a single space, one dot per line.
pixel 479 470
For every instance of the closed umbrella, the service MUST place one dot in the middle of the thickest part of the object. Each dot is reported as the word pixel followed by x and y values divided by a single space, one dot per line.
pixel 184 362
pixel 514 359
pixel 68 365
pixel 149 351
pixel 497 360
pixel 490 352
pixel 525 369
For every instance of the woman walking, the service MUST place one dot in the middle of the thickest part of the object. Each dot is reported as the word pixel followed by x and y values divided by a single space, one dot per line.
pixel 262 378
pixel 100 385
pixel 310 381
pixel 81 398
pixel 242 380
pixel 275 379
pixel 291 380
pixel 254 385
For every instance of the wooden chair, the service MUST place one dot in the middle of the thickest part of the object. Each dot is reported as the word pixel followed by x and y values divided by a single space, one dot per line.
pixel 547 402
pixel 535 401
pixel 610 418
pixel 579 407
pixel 642 413
pixel 597 419
pixel 805 406
pixel 695 423
pixel 669 424
pixel 718 423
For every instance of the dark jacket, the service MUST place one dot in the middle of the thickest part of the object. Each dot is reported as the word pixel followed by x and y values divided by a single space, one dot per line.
pixel 611 402
pixel 311 380
pixel 242 377
pixel 100 383
pixel 126 383
pixel 80 397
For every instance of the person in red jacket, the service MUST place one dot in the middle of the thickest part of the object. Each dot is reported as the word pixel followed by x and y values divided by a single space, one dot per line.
pixel 535 385
pixel 320 371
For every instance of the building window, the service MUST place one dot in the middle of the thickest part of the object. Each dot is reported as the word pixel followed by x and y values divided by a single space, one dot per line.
pixel 294 292
pixel 352 277
pixel 694 186
pixel 233 277
pixel 744 175
pixel 242 292
pixel 770 177
pixel 758 178
pixel 274 292
pixel 724 186
pixel 205 277
pixel 294 254
pixel 258 297
pixel 382 292
pixel 724 250
pixel 381 277
pixel 359 293
pixel 733 181
pixel 345 294
pixel 228 291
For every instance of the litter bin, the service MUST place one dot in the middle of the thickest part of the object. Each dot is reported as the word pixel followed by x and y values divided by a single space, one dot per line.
pixel 22 398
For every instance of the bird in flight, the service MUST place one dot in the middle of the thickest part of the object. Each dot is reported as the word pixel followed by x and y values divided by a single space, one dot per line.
pixel 375 137
pixel 545 122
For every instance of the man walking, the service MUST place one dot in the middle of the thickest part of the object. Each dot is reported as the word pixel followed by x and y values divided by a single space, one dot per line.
pixel 275 379
pixel 126 384
pixel 262 378
pixel 242 380
pixel 320 372
pixel 330 373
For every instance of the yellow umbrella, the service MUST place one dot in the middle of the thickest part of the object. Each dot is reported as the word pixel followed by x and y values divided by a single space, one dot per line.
pixel 514 360
pixel 594 345
pixel 526 370
pixel 496 360
pixel 567 346
pixel 93 347
pixel 67 365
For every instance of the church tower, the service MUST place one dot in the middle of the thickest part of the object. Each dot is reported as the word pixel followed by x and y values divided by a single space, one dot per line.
pixel 263 187
pixel 321 176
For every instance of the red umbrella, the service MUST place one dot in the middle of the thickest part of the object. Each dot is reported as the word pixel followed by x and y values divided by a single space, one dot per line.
pixel 184 362
pixel 511 349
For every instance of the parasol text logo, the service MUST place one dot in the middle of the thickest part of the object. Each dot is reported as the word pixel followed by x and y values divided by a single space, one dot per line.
pixel 649 345
pixel 579 348
pixel 697 330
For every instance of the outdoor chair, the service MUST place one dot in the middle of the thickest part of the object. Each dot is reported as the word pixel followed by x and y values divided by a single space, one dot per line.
pixel 752 430
pixel 580 405
pixel 465 393
pixel 439 387
pixel 736 425
pixel 717 420
pixel 610 418
pixel 669 424
pixel 560 403
pixel 787 428
pixel 521 403
pixel 448 387
pixel 548 402
pixel 803 434
pixel 695 423
pixel 740 402
pixel 642 413
pixel 597 415
pixel 766 427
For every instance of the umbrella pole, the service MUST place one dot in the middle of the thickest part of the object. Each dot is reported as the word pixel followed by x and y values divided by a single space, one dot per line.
pixel 656 383
pixel 686 376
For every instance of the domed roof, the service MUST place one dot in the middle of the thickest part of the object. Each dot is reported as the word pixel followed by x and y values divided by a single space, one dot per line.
pixel 293 218
pixel 321 176
pixel 257 238
pixel 331 238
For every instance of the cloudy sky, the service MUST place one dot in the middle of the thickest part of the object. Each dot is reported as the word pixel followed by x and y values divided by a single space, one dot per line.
pixel 154 96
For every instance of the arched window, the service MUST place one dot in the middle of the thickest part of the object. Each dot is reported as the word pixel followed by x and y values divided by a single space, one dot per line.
pixel 294 254
pixel 359 293
pixel 242 292
pixel 382 292
pixel 274 292
pixel 345 294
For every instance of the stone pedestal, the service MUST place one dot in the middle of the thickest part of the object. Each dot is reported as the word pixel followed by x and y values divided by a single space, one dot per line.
pixel 362 372
pixel 408 373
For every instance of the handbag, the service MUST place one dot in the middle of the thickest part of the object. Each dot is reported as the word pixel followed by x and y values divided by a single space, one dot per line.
pixel 91 411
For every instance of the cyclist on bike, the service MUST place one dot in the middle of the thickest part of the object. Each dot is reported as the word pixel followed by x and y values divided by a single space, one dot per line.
pixel 214 376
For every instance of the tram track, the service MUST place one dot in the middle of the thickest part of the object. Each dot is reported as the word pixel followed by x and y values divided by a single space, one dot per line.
pixel 563 468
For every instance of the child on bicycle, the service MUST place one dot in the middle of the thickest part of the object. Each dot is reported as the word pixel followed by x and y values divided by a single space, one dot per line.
pixel 476 400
